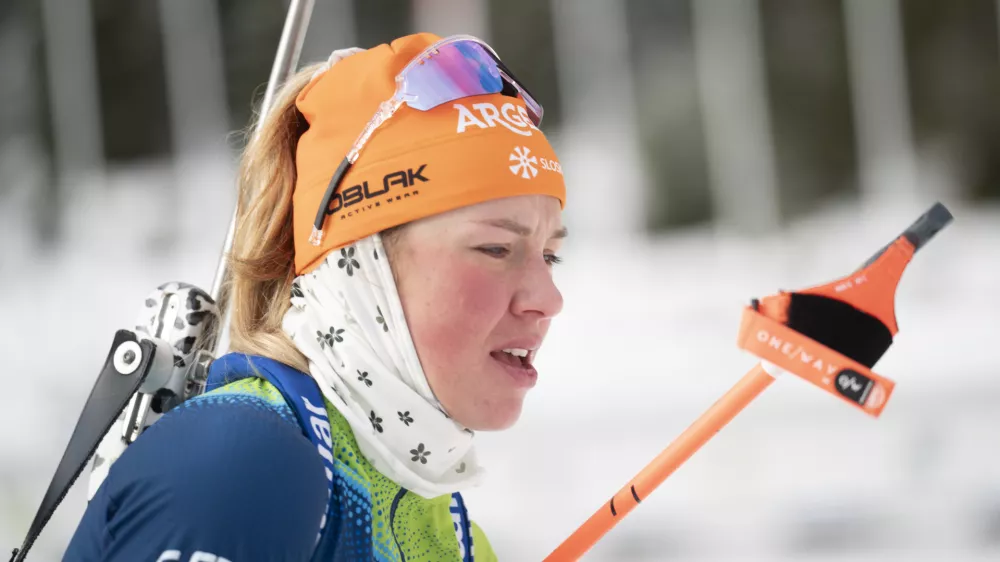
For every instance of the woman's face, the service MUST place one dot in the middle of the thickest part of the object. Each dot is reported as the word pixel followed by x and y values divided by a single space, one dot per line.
pixel 474 282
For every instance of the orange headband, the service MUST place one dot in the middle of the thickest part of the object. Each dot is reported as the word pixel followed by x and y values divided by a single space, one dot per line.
pixel 418 163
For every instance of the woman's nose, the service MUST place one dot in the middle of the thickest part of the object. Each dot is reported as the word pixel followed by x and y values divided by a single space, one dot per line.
pixel 538 295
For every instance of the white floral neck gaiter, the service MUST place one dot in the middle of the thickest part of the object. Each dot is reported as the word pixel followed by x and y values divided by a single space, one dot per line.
pixel 346 318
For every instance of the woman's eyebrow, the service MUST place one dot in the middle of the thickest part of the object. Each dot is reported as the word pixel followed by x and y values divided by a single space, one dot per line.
pixel 520 229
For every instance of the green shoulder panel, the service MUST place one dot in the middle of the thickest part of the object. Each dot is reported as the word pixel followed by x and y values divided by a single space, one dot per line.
pixel 481 546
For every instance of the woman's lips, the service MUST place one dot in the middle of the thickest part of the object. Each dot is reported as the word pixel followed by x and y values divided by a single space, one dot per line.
pixel 517 368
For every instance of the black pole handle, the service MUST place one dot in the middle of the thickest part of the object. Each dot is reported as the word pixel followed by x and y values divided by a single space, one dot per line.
pixel 126 367
pixel 921 231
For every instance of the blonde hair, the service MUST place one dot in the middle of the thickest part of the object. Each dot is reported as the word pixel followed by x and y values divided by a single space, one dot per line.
pixel 262 259
pixel 261 263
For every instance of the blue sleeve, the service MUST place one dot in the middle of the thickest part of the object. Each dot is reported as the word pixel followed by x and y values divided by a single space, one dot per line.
pixel 233 481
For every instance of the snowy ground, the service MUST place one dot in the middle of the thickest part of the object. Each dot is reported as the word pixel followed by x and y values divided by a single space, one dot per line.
pixel 646 343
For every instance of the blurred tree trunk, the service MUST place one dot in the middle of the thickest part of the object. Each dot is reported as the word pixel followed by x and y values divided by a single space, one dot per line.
pixel 954 80
pixel 671 126
pixel 452 17
pixel 251 30
pixel 805 52
pixel 133 89
pixel 381 21
pixel 331 27
pixel 521 33
pixel 26 144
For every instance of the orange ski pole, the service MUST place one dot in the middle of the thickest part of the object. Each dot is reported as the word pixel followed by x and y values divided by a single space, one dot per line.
pixel 696 435
pixel 830 335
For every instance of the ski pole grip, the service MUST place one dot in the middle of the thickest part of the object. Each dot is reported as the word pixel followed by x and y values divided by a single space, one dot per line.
pixel 920 232
pixel 929 224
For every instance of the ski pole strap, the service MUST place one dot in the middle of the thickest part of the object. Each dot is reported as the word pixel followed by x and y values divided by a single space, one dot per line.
pixel 126 367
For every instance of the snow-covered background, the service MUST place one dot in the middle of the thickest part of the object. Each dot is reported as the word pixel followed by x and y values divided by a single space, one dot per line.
pixel 645 344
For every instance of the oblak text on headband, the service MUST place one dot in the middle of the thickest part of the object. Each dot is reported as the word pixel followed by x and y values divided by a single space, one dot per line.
pixel 509 116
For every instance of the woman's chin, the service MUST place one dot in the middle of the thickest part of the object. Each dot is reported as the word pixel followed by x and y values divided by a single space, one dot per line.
pixel 496 416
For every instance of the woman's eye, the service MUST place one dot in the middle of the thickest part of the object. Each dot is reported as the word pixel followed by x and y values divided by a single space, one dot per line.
pixel 502 252
pixel 494 251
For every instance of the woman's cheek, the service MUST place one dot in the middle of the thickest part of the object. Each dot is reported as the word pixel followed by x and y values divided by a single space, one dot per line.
pixel 456 319
pixel 467 304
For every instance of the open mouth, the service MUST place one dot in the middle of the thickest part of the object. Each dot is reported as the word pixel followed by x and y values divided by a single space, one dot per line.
pixel 514 357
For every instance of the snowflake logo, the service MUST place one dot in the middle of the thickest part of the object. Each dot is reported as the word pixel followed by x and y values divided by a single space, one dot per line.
pixel 525 163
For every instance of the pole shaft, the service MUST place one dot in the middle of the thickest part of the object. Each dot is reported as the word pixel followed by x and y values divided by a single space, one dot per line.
pixel 670 459
pixel 285 63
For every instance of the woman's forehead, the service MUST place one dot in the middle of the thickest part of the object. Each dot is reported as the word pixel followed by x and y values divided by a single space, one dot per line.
pixel 535 212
